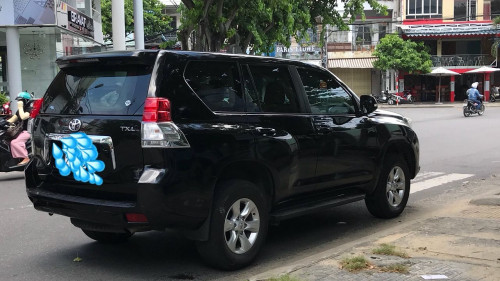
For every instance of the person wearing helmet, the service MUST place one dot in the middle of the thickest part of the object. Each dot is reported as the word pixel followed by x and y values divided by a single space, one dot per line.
pixel 473 95
pixel 18 145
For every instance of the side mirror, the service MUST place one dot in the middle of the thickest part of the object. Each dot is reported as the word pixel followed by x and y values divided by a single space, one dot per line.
pixel 368 104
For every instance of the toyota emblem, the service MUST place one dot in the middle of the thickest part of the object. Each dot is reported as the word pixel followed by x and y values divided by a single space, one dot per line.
pixel 75 125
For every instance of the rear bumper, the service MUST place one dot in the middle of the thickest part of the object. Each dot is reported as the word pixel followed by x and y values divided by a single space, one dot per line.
pixel 164 207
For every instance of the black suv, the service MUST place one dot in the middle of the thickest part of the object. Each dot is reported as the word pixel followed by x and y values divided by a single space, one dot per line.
pixel 215 146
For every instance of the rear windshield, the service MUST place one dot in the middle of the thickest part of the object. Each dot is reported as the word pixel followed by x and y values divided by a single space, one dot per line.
pixel 110 90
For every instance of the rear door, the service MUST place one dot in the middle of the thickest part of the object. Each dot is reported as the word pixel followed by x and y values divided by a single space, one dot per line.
pixel 90 122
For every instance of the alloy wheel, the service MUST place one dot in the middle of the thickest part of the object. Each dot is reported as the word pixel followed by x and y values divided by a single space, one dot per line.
pixel 395 189
pixel 241 226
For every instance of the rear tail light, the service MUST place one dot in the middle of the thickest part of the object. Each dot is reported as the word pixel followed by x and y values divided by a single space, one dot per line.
pixel 157 128
pixel 132 217
pixel 37 105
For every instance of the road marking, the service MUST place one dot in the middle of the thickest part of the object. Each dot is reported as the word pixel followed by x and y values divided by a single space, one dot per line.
pixel 432 182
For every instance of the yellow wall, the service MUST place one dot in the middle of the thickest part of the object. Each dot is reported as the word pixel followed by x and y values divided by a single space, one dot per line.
pixel 358 79
pixel 448 10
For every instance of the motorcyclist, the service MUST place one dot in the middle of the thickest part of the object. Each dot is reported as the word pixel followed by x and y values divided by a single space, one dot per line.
pixel 473 95
pixel 18 145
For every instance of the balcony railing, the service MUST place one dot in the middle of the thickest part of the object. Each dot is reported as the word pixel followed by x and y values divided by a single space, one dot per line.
pixel 462 60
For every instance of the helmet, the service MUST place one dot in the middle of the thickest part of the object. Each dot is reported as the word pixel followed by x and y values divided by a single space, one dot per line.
pixel 23 95
pixel 474 85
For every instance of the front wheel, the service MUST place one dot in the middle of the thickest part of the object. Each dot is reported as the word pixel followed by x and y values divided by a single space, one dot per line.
pixel 392 191
pixel 238 226
pixel 481 110
pixel 107 237
pixel 492 98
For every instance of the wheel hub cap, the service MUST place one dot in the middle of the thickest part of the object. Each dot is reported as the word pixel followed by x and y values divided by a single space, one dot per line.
pixel 396 184
pixel 241 226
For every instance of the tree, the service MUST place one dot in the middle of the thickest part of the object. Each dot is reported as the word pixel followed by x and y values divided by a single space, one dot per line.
pixel 155 22
pixel 259 24
pixel 393 52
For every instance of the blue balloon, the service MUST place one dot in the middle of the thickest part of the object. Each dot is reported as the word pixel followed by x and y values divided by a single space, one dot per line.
pixel 97 165
pixel 69 142
pixel 84 176
pixel 78 135
pixel 91 178
pixel 64 171
pixel 60 163
pixel 98 179
pixel 84 142
pixel 56 151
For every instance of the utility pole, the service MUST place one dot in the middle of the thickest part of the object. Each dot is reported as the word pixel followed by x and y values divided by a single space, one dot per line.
pixel 138 25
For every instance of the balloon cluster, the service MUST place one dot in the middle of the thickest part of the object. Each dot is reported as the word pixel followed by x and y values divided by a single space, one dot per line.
pixel 78 155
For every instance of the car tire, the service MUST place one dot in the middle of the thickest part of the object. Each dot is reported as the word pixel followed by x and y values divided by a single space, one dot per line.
pixel 107 237
pixel 392 191
pixel 235 236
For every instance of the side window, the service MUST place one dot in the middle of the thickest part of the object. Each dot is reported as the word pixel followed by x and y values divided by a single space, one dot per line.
pixel 217 84
pixel 324 93
pixel 251 95
pixel 274 89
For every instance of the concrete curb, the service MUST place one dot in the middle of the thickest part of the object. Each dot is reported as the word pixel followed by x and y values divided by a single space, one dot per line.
pixel 462 238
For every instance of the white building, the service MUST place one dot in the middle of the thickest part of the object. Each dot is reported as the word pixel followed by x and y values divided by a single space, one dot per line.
pixel 34 33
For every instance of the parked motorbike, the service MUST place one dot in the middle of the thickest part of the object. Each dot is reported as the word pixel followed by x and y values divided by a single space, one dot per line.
pixel 405 97
pixel 494 94
pixel 5 109
pixel 470 108
pixel 382 98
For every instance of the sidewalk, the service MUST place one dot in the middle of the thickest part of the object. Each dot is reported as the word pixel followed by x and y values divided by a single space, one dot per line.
pixel 433 104
pixel 460 241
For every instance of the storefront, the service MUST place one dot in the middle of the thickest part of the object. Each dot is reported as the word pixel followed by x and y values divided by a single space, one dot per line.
pixel 44 32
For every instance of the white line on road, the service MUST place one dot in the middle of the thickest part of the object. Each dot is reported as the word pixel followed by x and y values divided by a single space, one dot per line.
pixel 422 185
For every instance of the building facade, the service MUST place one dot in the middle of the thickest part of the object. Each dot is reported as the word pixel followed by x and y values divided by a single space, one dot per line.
pixel 460 35
pixel 350 53
pixel 34 33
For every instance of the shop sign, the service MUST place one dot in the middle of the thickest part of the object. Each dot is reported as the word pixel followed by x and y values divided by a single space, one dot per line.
pixel 80 23
pixel 297 49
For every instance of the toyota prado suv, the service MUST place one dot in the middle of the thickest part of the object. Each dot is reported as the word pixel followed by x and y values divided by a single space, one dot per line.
pixel 214 146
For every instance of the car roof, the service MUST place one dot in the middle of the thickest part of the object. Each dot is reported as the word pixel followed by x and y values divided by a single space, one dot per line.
pixel 141 55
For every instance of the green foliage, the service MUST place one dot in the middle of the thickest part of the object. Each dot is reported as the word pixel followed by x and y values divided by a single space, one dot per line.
pixel 389 250
pixel 395 53
pixel 167 44
pixel 259 24
pixel 355 263
pixel 154 21
pixel 4 97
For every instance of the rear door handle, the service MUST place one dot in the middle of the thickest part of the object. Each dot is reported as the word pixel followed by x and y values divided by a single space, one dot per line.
pixel 266 132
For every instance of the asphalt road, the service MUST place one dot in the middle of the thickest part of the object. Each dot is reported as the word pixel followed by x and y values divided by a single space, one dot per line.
pixel 35 246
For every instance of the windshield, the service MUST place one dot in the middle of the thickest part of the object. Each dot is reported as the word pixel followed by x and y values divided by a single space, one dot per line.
pixel 112 90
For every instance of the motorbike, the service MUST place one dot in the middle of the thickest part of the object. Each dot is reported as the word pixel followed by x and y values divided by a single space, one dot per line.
pixel 494 94
pixel 7 163
pixel 470 108
pixel 382 98
pixel 405 97
pixel 5 109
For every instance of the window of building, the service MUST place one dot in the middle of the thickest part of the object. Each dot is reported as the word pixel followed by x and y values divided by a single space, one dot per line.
pixel 423 9
pixel 363 35
pixel 382 31
pixel 465 10
pixel 491 9
pixel 217 84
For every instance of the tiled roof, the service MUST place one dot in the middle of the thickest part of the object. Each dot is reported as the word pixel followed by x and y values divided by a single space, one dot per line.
pixel 449 29
pixel 351 63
